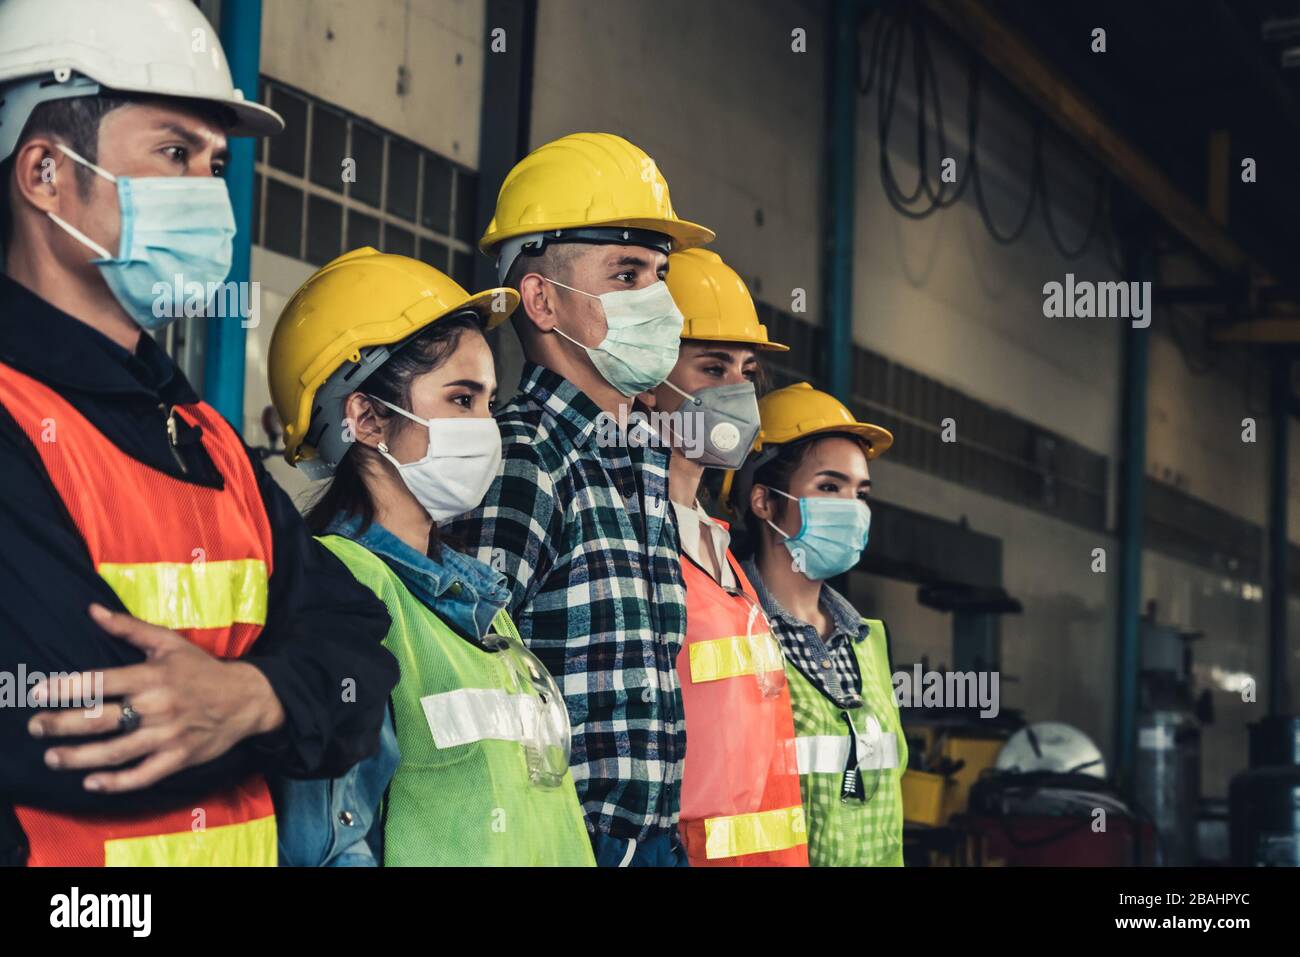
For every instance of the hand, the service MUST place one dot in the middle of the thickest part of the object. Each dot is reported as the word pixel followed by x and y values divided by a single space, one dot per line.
pixel 193 708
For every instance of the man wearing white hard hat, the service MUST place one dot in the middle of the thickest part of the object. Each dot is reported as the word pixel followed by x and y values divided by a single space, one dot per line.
pixel 147 553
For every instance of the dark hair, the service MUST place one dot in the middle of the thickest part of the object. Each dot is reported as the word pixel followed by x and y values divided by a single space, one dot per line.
pixel 554 261
pixel 75 121
pixel 776 473
pixel 347 491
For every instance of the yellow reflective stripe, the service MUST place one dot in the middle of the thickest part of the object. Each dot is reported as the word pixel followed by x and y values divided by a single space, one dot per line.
pixel 250 844
pixel 762 831
pixel 721 658
pixel 191 594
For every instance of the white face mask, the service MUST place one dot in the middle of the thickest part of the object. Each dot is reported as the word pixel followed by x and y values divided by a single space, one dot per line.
pixel 644 334
pixel 454 474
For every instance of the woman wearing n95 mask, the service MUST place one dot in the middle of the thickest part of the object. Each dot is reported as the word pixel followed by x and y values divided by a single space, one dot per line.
pixel 384 381
pixel 803 496
pixel 741 805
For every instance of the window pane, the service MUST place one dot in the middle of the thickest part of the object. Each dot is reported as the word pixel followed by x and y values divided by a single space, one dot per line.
pixel 434 253
pixel 403 168
pixel 363 230
pixel 283 218
pixel 462 268
pixel 398 241
pixel 368 151
pixel 328 147
pixel 289 149
pixel 466 196
pixel 436 214
pixel 324 230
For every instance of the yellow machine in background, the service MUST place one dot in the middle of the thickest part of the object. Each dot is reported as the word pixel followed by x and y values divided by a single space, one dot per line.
pixel 953 757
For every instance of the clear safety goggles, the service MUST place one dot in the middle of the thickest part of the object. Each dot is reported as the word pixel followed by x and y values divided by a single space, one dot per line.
pixel 764 650
pixel 873 756
pixel 543 728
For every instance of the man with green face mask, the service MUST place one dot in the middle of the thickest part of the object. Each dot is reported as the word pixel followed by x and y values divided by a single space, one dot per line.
pixel 581 524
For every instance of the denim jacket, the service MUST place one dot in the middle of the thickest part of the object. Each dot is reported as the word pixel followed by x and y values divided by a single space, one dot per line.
pixel 336 823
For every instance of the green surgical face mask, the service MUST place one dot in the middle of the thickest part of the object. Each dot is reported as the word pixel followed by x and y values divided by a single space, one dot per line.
pixel 644 335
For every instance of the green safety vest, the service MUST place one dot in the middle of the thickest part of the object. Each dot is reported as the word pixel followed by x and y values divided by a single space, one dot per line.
pixel 469 802
pixel 848 832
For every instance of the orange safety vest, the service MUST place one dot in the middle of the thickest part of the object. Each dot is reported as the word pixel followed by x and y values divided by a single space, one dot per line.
pixel 183 556
pixel 741 804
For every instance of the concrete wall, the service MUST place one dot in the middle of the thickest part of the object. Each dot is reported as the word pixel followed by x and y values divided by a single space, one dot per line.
pixel 349 54
pixel 1195 431
pixel 713 92
pixel 941 296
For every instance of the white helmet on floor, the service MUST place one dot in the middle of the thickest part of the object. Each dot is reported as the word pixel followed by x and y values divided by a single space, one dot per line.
pixel 54 49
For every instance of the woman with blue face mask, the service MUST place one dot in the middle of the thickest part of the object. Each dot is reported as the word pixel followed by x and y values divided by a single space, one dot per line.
pixel 803 495
pixel 385 384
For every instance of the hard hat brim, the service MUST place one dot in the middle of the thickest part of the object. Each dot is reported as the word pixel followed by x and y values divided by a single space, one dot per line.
pixel 878 438
pixel 254 119
pixel 761 345
pixel 250 118
pixel 482 302
pixel 684 234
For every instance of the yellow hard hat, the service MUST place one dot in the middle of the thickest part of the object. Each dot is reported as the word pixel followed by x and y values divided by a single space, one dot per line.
pixel 714 301
pixel 583 181
pixel 353 312
pixel 797 412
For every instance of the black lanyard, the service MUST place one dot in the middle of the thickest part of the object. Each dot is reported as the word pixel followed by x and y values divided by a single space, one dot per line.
pixel 851 786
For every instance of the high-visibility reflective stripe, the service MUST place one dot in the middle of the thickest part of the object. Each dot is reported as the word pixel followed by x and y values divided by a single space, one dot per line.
pixel 250 844
pixel 720 658
pixel 756 833
pixel 822 754
pixel 201 594
pixel 478 714
pixel 828 754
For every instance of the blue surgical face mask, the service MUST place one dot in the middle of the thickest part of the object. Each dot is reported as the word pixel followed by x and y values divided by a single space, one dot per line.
pixel 831 537
pixel 176 230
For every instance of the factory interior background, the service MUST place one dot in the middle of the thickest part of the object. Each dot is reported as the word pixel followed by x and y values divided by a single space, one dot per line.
pixel 1104 514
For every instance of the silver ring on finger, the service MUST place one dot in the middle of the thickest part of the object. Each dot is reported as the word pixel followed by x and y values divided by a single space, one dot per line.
pixel 129 720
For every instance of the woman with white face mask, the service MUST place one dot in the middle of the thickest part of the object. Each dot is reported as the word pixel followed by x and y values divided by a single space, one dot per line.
pixel 803 495
pixel 384 381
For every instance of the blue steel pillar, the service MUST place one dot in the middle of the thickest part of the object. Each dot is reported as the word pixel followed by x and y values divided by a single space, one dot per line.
pixel 1132 515
pixel 223 362
pixel 844 18
pixel 1282 406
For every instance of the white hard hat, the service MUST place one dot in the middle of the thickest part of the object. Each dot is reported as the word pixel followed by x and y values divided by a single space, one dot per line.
pixel 52 49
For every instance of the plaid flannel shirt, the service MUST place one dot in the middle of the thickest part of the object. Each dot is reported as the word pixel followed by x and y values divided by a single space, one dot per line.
pixel 829 663
pixel 589 545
